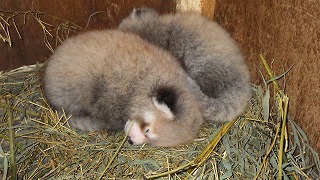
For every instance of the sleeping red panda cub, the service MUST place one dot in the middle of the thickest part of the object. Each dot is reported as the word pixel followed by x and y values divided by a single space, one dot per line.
pixel 110 80
pixel 217 71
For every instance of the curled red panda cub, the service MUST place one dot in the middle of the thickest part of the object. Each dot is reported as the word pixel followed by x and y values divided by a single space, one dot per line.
pixel 217 71
pixel 110 80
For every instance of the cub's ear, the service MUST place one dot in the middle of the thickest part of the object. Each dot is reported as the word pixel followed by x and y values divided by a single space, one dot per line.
pixel 167 96
pixel 142 12
pixel 163 107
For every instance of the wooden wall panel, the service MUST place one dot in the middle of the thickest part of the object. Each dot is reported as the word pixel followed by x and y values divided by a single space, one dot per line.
pixel 32 48
pixel 287 33
pixel 205 7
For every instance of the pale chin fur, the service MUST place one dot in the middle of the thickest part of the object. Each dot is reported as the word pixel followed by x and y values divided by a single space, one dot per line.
pixel 132 129
pixel 139 135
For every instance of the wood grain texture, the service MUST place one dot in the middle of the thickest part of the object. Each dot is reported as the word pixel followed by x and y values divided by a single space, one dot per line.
pixel 208 8
pixel 31 48
pixel 287 33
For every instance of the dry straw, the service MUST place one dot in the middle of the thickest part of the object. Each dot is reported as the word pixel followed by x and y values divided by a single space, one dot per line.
pixel 38 143
pixel 56 33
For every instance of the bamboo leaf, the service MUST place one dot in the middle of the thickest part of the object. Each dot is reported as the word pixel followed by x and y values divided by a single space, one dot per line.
pixel 266 105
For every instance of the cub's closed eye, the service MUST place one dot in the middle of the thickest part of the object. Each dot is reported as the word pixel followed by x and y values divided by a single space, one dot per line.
pixel 146 131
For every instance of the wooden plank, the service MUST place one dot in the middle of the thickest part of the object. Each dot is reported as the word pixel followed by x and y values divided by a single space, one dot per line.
pixel 31 48
pixel 205 7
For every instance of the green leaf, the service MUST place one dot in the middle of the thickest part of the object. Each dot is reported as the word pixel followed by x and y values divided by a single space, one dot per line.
pixel 227 165
pixel 265 105
pixel 148 164
pixel 5 164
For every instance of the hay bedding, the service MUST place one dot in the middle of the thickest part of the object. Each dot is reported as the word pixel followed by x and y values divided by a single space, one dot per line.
pixel 37 142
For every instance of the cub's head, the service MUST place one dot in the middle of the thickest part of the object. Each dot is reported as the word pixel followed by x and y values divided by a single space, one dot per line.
pixel 170 118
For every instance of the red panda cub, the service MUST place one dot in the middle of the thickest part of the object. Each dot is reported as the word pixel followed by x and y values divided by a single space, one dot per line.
pixel 218 74
pixel 110 80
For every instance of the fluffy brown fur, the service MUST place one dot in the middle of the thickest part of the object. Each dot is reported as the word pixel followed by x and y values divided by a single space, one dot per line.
pixel 106 78
pixel 218 74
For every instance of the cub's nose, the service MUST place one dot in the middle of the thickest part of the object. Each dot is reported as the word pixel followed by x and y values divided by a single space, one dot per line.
pixel 129 140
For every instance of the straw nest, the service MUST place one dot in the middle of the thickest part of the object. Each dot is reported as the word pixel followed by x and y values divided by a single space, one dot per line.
pixel 37 142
